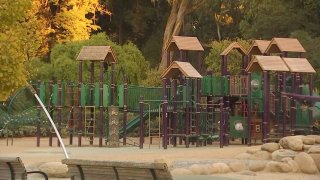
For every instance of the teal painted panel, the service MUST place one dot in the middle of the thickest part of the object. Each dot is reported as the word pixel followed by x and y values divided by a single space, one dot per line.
pixel 120 95
pixel 238 134
pixel 106 96
pixel 96 94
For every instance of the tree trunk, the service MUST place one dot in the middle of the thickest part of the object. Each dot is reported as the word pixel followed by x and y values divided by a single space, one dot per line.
pixel 173 26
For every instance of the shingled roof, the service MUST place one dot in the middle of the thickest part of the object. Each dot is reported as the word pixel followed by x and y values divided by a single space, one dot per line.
pixel 185 68
pixel 97 53
pixel 267 63
pixel 184 43
pixel 299 65
pixel 278 45
pixel 258 47
pixel 234 45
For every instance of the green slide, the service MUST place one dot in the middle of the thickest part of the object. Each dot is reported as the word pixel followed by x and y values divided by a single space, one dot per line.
pixel 133 124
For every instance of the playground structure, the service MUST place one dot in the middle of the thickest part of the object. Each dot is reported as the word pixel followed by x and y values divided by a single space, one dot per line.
pixel 271 97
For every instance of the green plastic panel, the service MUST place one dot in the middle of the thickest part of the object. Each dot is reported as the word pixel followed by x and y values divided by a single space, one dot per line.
pixel 238 134
pixel 84 94
pixel 302 116
pixel 106 95
pixel 120 95
pixel 96 94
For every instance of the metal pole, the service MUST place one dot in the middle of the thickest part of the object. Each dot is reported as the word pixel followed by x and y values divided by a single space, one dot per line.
pixel 283 104
pixel 292 103
pixel 90 130
pixel 165 122
pixel 174 123
pixel 71 123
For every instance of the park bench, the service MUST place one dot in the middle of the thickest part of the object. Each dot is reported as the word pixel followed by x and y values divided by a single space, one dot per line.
pixel 94 170
pixel 12 168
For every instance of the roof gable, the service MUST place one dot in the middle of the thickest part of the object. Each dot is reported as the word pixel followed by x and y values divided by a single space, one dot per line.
pixel 184 43
pixel 279 45
pixel 185 68
pixel 97 53
pixel 234 45
pixel 267 63
pixel 258 47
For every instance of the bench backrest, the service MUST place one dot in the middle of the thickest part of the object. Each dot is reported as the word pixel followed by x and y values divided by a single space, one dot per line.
pixel 12 168
pixel 92 170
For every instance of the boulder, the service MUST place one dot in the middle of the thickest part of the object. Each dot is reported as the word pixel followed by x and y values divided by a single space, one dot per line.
pixel 306 147
pixel 262 155
pixel 237 166
pixel 199 169
pixel 316 159
pixel 286 159
pixel 308 140
pixel 257 165
pixel 278 155
pixel 252 150
pixel 218 168
pixel 316 138
pixel 294 165
pixel 244 156
pixel 55 169
pixel 270 147
pixel 306 163
pixel 274 166
pixel 292 142
pixel 248 173
pixel 165 160
pixel 314 149
pixel 181 172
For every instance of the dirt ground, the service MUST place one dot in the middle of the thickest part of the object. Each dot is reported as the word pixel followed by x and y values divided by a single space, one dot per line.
pixel 176 156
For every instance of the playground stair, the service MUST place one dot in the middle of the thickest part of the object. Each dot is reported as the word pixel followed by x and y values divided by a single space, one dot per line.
pixel 89 122
pixel 193 123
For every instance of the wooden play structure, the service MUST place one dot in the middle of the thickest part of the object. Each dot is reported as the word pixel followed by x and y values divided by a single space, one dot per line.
pixel 270 97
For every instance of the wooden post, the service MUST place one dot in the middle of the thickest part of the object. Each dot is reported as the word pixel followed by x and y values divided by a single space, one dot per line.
pixel 112 84
pixel 141 127
pixel 168 57
pixel 125 110
pixel 187 130
pixel 80 127
pixel 174 123
pixel 265 107
pixel 38 114
pixel 198 109
pixel 283 104
pixel 50 109
pixel 249 108
pixel 222 121
pixel 100 122
pixel 59 108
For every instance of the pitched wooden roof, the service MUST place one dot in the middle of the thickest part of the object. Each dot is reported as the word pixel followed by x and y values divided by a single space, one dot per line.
pixel 184 68
pixel 301 65
pixel 184 43
pixel 234 45
pixel 278 45
pixel 258 47
pixel 97 53
pixel 267 63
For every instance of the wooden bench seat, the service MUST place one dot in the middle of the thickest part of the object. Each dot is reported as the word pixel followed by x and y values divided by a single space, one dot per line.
pixel 100 170
pixel 12 168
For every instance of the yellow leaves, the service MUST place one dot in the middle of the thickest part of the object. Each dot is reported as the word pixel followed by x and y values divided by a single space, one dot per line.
pixel 223 19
